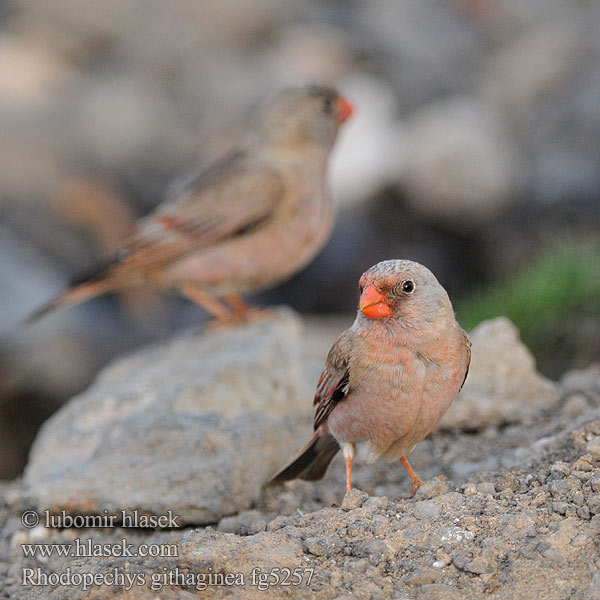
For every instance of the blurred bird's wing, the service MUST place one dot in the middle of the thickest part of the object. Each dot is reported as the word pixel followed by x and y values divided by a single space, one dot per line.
pixel 335 378
pixel 231 199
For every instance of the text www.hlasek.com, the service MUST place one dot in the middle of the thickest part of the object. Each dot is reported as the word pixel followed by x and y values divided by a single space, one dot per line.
pixel 89 548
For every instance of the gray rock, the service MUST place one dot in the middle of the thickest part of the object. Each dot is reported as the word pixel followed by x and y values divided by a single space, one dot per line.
pixel 354 499
pixel 434 487
pixel 196 425
pixel 583 512
pixel 249 522
pixel 503 385
pixel 595 482
pixel 377 551
pixel 422 576
pixel 427 510
pixel 478 566
pixel 582 382
pixel 593 448
pixel 439 591
pixel 486 487
pixel 323 546
pixel 560 507
pixel 575 405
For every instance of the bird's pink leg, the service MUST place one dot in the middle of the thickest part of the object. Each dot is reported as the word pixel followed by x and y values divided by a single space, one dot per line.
pixel 348 473
pixel 236 303
pixel 348 452
pixel 241 311
pixel 216 308
pixel 416 482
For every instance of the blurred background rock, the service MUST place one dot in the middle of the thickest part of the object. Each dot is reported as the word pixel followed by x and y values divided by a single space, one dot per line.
pixel 474 150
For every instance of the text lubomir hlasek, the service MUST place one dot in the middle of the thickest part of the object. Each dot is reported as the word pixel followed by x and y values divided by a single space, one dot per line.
pixel 124 518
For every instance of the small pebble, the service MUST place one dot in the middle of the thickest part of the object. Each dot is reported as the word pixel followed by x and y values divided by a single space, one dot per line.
pixel 595 482
pixel 323 546
pixel 593 448
pixel 560 466
pixel 487 488
pixel 434 487
pixel 443 557
pixel 422 576
pixel 377 502
pixel 507 481
pixel 540 499
pixel 354 499
pixel 553 555
pixel 558 487
pixel 427 509
pixel 560 507
pixel 470 490
pixel 583 512
pixel 575 405
pixel 478 565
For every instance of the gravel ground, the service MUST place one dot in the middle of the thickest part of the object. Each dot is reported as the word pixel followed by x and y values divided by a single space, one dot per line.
pixel 518 516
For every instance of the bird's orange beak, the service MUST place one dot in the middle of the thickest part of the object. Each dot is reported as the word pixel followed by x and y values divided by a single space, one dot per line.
pixel 372 303
pixel 344 110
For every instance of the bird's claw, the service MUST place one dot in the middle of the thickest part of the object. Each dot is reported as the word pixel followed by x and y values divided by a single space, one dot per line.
pixel 415 485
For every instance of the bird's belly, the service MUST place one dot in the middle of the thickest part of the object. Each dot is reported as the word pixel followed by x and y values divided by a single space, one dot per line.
pixel 408 403
pixel 258 259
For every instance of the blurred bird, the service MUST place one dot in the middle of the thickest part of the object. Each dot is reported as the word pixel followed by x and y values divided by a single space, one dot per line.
pixel 390 377
pixel 250 221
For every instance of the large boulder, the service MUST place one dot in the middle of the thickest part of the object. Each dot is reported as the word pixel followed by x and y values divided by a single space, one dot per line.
pixel 503 385
pixel 195 425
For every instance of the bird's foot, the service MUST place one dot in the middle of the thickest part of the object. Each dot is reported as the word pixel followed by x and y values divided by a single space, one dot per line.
pixel 415 480
pixel 415 484
pixel 239 318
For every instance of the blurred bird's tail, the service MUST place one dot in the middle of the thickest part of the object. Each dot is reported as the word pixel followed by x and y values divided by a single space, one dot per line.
pixel 312 461
pixel 85 286
pixel 71 297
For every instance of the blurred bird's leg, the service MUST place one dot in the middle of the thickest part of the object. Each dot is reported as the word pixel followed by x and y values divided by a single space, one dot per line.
pixel 243 312
pixel 348 452
pixel 416 482
pixel 236 303
pixel 207 301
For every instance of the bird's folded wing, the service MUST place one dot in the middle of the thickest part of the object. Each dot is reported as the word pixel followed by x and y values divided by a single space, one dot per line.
pixel 467 343
pixel 231 199
pixel 335 378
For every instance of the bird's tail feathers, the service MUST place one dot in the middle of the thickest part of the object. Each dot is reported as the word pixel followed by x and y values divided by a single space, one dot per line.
pixel 312 461
pixel 84 286
pixel 72 296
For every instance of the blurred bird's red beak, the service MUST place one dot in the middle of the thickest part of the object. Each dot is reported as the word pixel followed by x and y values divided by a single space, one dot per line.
pixel 372 303
pixel 344 110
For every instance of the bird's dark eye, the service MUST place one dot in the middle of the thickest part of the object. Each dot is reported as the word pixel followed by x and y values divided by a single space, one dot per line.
pixel 408 286
pixel 327 105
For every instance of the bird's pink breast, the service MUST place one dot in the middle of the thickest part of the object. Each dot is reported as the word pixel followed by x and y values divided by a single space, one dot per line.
pixel 397 394
pixel 274 252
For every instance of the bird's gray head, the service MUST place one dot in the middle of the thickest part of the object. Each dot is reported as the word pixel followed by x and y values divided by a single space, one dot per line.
pixel 404 291
pixel 306 116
